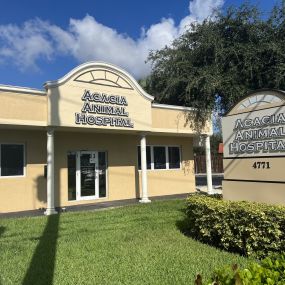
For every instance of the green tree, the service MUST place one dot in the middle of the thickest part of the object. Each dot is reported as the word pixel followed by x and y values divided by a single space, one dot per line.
pixel 222 58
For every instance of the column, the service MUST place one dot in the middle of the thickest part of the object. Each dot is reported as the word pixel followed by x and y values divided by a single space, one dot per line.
pixel 144 198
pixel 208 164
pixel 50 173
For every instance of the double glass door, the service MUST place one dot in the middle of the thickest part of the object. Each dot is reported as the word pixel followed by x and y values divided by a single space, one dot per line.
pixel 86 175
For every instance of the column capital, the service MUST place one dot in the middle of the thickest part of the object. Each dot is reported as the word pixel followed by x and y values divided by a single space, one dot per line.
pixel 144 134
pixel 50 131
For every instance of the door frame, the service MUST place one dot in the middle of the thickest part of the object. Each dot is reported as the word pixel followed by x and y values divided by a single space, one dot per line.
pixel 78 176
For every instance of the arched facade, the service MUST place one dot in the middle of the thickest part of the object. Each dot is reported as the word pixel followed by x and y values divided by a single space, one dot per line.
pixel 92 136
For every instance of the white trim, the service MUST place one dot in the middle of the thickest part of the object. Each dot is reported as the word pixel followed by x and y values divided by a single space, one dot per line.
pixel 98 64
pixel 172 107
pixel 24 161
pixel 166 157
pixel 19 89
pixel 78 176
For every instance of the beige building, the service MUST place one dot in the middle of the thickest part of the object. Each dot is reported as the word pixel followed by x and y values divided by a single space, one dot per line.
pixel 94 135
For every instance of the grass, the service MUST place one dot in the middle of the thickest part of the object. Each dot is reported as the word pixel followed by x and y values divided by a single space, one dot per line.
pixel 139 244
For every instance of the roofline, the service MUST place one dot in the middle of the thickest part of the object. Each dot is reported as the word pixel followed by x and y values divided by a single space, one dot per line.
pixel 173 107
pixel 98 64
pixel 18 89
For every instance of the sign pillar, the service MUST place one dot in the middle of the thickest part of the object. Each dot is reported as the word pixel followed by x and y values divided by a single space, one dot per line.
pixel 208 164
pixel 144 198
pixel 50 173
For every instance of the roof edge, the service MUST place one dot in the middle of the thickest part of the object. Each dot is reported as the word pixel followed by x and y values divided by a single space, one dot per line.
pixel 97 64
pixel 18 89
pixel 173 107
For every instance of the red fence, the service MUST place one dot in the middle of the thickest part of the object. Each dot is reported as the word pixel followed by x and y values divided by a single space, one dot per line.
pixel 200 164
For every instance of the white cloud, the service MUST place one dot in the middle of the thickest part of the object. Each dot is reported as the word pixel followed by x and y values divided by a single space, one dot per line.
pixel 24 46
pixel 86 39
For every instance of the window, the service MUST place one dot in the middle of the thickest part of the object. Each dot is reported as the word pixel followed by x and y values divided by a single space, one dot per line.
pixel 174 157
pixel 12 160
pixel 148 157
pixel 102 173
pixel 71 166
pixel 161 157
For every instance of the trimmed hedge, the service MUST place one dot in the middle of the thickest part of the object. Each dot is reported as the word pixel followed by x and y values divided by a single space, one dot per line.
pixel 270 271
pixel 247 228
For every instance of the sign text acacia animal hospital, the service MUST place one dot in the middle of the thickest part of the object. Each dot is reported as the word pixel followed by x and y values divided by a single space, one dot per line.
pixel 259 135
pixel 112 107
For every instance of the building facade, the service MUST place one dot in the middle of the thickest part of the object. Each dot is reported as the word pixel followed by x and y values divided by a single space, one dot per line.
pixel 94 135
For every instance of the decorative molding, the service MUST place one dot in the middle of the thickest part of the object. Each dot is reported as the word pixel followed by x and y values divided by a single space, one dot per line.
pixel 104 81
pixel 172 107
pixel 99 65
pixel 26 90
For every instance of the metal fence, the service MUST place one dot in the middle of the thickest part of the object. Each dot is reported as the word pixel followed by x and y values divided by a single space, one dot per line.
pixel 200 164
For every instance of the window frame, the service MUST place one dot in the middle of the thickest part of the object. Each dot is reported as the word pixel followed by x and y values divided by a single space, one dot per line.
pixel 166 156
pixel 24 161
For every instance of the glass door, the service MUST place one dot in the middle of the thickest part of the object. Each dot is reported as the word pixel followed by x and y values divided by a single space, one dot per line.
pixel 88 175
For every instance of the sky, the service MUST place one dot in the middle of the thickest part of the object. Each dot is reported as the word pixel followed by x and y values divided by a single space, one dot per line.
pixel 42 40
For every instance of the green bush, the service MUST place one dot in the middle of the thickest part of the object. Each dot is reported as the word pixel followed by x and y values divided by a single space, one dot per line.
pixel 270 271
pixel 248 228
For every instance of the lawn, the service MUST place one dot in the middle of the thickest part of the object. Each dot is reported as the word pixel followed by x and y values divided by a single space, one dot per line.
pixel 140 244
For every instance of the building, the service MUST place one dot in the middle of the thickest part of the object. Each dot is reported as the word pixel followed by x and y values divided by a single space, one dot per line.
pixel 93 135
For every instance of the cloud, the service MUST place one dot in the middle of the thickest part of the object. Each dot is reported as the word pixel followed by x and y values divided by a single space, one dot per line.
pixel 24 46
pixel 86 39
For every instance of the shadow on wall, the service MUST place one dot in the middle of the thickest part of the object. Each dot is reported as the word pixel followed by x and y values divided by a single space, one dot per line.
pixel 41 269
pixel 41 186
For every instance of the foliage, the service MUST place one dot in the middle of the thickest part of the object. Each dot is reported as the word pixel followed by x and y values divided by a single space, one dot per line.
pixel 221 59
pixel 216 139
pixel 247 228
pixel 270 271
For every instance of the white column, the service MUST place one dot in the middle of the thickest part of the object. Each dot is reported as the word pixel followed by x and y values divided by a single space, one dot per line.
pixel 208 164
pixel 144 198
pixel 50 173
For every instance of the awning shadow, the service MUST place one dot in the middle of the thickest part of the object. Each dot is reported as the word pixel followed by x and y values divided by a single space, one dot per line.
pixel 41 269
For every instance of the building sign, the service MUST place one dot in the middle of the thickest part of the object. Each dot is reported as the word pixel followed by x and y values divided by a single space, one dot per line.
pixel 254 149
pixel 257 133
pixel 101 109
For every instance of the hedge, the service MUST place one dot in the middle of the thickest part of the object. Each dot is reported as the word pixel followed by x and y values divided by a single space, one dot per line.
pixel 270 271
pixel 247 228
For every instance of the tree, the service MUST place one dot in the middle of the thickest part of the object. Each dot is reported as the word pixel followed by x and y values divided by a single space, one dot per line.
pixel 222 58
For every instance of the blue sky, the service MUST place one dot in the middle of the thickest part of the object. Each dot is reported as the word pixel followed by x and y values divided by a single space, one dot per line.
pixel 42 40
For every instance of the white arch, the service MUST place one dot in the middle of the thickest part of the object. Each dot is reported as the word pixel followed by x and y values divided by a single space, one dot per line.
pixel 98 64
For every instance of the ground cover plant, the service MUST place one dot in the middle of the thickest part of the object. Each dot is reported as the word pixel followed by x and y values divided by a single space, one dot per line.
pixel 270 271
pixel 247 228
pixel 140 244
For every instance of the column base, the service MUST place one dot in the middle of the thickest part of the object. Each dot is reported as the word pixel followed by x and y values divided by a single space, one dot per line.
pixel 49 212
pixel 144 200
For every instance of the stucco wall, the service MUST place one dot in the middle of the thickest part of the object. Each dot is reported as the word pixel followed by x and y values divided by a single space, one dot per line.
pixel 29 192
pixel 123 177
pixel 23 109
pixel 176 121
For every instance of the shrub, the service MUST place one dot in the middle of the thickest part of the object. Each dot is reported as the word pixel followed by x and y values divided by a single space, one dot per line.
pixel 248 228
pixel 270 271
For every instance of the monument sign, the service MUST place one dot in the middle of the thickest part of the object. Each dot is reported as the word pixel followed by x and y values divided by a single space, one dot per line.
pixel 254 148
